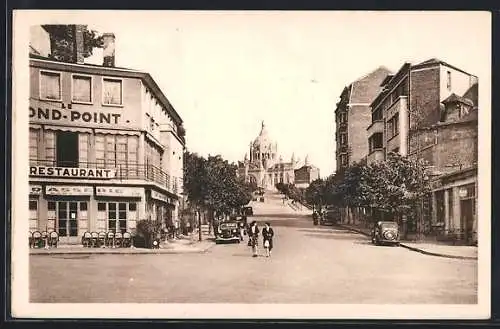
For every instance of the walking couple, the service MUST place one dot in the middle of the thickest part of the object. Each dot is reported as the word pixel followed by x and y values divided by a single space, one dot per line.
pixel 267 237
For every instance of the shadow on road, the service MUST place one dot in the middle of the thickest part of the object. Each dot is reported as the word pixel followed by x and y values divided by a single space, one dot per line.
pixel 335 235
pixel 285 222
pixel 281 216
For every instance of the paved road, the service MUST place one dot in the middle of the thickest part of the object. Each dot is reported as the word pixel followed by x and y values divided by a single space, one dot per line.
pixel 310 264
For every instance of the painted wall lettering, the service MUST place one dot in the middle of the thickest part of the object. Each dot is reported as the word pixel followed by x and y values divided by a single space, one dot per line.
pixel 74 116
pixel 72 172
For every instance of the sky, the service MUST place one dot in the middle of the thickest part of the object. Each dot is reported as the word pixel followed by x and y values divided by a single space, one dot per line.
pixel 225 72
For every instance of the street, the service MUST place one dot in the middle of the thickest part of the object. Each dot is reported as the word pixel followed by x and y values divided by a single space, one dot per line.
pixel 310 264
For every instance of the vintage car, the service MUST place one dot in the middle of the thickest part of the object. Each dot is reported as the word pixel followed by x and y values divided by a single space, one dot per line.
pixel 247 211
pixel 228 231
pixel 385 233
pixel 330 216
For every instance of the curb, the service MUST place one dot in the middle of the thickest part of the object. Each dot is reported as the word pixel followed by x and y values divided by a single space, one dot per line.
pixel 118 252
pixel 424 252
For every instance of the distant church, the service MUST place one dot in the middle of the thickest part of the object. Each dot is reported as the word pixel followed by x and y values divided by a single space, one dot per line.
pixel 265 168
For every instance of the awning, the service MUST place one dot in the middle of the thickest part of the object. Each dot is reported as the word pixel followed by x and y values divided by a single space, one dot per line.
pixel 68 128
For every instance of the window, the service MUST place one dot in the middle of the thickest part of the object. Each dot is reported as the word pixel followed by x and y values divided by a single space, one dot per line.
pixel 83 206
pixel 112 91
pixel 343 138
pixel 33 142
pixel 393 126
pixel 132 206
pixel 50 86
pixel 101 206
pixel 343 160
pixel 51 205
pixel 448 80
pixel 33 205
pixel 377 115
pixel 81 89
pixel 376 142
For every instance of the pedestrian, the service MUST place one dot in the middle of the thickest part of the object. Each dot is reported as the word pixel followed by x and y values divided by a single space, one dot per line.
pixel 267 235
pixel 254 237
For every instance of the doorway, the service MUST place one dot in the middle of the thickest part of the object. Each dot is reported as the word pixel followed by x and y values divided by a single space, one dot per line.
pixel 67 149
pixel 67 220
pixel 467 219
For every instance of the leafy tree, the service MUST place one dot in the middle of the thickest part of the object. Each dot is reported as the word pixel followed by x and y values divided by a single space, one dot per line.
pixel 62 39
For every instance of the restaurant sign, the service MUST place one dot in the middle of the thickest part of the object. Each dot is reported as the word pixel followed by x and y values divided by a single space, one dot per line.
pixel 161 197
pixel 35 189
pixel 96 173
pixel 69 190
pixel 133 192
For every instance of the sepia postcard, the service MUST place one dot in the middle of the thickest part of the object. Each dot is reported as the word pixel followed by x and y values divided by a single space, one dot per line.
pixel 260 164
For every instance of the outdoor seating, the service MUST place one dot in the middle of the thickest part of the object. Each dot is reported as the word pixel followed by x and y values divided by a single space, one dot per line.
pixel 45 239
pixel 37 239
pixel 87 240
pixel 53 239
pixel 118 239
pixel 102 239
pixel 94 239
pixel 110 239
pixel 127 240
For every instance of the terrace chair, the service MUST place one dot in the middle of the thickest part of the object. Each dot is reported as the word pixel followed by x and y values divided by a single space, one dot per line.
pixel 102 239
pixel 94 239
pixel 87 240
pixel 110 239
pixel 127 239
pixel 37 239
pixel 118 239
pixel 45 239
pixel 53 239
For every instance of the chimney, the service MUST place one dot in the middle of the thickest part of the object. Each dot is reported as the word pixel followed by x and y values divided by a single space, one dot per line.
pixel 79 44
pixel 108 49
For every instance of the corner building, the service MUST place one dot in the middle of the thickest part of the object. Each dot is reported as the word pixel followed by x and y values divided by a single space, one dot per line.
pixel 105 148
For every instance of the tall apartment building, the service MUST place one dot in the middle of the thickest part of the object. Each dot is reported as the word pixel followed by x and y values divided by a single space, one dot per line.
pixel 429 111
pixel 105 145
pixel 353 116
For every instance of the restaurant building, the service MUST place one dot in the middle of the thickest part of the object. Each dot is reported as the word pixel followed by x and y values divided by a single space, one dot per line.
pixel 105 145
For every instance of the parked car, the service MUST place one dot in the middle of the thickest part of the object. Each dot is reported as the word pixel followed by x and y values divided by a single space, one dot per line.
pixel 247 211
pixel 385 233
pixel 228 231
pixel 330 216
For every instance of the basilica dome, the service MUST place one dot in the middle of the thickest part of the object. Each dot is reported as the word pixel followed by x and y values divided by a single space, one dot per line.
pixel 262 141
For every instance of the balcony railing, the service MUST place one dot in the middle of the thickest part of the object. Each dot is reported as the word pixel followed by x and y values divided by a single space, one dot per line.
pixel 123 171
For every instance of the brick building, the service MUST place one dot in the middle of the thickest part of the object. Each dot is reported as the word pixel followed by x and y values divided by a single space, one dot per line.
pixel 353 116
pixel 306 174
pixel 105 145
pixel 429 111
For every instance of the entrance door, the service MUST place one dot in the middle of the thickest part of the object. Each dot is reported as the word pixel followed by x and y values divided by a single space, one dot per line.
pixel 467 218
pixel 67 149
pixel 67 221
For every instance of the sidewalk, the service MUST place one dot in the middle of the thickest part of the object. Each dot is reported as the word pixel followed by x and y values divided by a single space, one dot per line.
pixel 180 246
pixel 427 248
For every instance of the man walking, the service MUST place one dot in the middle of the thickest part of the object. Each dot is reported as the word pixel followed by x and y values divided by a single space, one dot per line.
pixel 267 235
pixel 254 237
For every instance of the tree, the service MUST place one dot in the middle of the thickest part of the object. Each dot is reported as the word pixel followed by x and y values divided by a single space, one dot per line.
pixel 315 193
pixel 62 39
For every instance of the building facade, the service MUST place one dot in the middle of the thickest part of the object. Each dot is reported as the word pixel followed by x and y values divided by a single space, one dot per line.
pixel 429 111
pixel 306 174
pixel 105 148
pixel 265 167
pixel 353 116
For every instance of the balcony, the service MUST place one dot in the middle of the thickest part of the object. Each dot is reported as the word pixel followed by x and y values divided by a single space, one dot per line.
pixel 375 127
pixel 93 170
pixel 375 155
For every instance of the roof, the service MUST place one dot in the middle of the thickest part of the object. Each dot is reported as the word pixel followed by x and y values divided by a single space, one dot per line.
pixel 366 88
pixel 437 61
pixel 454 98
pixel 472 93
pixel 115 71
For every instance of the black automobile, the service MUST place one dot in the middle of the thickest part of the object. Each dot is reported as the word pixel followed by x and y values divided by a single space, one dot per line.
pixel 228 231
pixel 247 211
pixel 330 216
pixel 385 233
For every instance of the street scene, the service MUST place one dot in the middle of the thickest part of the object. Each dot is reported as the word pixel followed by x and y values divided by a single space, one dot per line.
pixel 309 264
pixel 286 158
